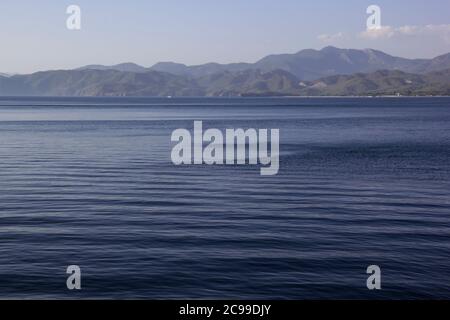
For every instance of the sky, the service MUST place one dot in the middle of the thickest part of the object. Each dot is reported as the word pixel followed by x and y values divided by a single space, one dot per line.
pixel 34 36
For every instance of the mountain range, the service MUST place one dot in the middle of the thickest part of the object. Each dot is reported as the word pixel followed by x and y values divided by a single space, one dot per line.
pixel 330 71
pixel 305 65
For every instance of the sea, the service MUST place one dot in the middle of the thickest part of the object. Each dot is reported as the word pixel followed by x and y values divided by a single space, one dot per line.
pixel 90 182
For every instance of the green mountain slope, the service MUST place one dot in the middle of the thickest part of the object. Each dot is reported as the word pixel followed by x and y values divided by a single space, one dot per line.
pixel 241 83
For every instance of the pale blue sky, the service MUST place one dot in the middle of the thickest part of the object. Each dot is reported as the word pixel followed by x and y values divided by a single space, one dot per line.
pixel 33 34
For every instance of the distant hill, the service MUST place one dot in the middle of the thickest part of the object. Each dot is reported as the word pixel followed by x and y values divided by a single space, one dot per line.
pixel 125 67
pixel 250 82
pixel 330 71
pixel 314 64
pixel 306 65
pixel 171 67
pixel 201 70
pixel 91 82
pixel 439 63
pixel 255 82
pixel 383 82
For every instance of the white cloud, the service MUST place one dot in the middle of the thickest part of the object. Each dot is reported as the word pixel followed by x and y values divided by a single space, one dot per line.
pixel 386 32
pixel 411 41
pixel 380 33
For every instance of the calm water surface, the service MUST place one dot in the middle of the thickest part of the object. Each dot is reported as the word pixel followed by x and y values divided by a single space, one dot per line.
pixel 90 182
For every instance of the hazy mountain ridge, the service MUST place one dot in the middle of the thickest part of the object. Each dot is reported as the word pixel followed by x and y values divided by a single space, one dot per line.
pixel 277 82
pixel 98 83
pixel 382 82
pixel 124 67
pixel 306 64
pixel 242 83
pixel 267 77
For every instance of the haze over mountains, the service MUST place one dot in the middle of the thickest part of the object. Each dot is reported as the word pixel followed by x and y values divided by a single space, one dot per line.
pixel 307 64
pixel 330 71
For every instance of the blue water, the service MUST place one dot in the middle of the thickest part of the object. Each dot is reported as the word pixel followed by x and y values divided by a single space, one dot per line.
pixel 90 182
